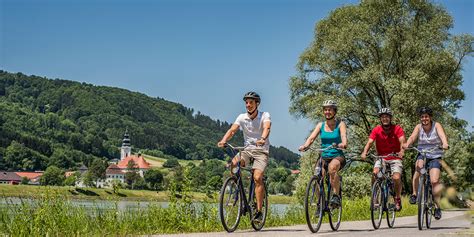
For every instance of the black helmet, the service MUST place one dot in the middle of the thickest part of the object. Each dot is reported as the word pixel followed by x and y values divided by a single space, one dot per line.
pixel 425 110
pixel 252 95
pixel 385 111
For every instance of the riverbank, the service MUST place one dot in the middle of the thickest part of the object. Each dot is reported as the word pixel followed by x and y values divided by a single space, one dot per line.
pixel 30 191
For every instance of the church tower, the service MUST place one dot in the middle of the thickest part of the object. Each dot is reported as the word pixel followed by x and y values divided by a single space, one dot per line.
pixel 126 149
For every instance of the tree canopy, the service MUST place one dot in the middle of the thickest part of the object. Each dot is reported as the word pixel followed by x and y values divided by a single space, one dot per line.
pixel 398 54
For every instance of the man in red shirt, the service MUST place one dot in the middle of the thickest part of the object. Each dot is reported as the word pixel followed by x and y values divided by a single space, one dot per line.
pixel 388 139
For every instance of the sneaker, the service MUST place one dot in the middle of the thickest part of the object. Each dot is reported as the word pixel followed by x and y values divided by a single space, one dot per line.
pixel 398 204
pixel 258 216
pixel 335 201
pixel 437 213
pixel 413 199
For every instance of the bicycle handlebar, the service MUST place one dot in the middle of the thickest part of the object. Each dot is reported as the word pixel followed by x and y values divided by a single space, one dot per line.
pixel 425 151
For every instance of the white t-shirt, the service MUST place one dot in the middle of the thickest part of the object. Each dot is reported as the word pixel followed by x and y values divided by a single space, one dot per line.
pixel 253 129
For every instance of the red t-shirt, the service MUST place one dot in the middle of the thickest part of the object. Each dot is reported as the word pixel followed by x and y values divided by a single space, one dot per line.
pixel 387 143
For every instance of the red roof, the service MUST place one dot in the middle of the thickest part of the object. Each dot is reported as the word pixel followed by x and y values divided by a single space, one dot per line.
pixel 139 161
pixel 30 175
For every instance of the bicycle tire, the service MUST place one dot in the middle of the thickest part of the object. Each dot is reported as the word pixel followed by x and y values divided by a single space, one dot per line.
pixel 429 207
pixel 421 202
pixel 376 205
pixel 230 197
pixel 259 225
pixel 391 205
pixel 336 211
pixel 314 198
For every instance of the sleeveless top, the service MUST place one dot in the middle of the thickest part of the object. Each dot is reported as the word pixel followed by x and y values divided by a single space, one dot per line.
pixel 328 138
pixel 428 140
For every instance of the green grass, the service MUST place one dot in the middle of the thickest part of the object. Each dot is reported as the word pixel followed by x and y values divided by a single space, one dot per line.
pixel 55 215
pixel 30 191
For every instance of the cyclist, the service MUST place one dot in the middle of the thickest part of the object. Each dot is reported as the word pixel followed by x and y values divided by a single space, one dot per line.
pixel 332 131
pixel 255 126
pixel 388 138
pixel 430 134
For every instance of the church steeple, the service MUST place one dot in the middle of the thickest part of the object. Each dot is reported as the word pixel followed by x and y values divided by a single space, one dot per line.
pixel 126 148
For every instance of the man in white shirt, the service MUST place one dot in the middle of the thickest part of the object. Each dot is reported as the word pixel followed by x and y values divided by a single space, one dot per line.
pixel 256 128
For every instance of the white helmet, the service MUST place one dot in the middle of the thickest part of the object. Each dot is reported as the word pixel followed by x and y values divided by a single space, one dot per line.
pixel 330 103
pixel 385 111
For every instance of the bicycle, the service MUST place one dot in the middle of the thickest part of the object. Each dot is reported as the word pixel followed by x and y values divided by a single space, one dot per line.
pixel 383 194
pixel 233 202
pixel 425 198
pixel 315 196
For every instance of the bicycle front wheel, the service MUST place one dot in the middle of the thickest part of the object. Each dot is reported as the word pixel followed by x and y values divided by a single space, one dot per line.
pixel 314 204
pixel 429 207
pixel 258 225
pixel 421 202
pixel 335 213
pixel 391 206
pixel 376 205
pixel 230 204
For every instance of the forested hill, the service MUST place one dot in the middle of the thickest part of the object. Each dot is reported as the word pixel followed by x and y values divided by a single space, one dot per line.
pixel 66 123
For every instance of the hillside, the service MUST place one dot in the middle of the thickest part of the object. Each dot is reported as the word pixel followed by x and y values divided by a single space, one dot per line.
pixel 66 123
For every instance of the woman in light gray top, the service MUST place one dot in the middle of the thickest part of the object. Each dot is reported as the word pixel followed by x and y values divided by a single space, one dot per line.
pixel 430 134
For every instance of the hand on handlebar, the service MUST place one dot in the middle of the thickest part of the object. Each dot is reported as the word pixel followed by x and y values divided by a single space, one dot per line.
pixel 221 144
pixel 302 148
pixel 260 142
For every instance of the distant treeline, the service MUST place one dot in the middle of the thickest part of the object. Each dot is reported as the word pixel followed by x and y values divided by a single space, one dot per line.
pixel 65 123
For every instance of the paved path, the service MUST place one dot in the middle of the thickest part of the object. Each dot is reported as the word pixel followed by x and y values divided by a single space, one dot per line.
pixel 453 223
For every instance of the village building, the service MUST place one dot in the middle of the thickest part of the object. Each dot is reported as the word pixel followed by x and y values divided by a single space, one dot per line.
pixel 9 178
pixel 33 177
pixel 117 171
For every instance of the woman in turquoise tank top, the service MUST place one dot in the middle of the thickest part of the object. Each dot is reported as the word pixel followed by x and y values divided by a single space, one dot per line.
pixel 332 131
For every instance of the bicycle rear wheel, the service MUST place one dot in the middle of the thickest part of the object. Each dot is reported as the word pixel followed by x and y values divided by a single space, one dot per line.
pixel 335 213
pixel 314 204
pixel 421 202
pixel 230 204
pixel 258 225
pixel 429 207
pixel 376 205
pixel 391 206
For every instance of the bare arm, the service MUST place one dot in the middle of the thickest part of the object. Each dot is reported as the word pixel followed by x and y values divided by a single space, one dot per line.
pixel 311 137
pixel 366 148
pixel 413 137
pixel 228 135
pixel 342 130
pixel 265 133
pixel 442 135
pixel 402 150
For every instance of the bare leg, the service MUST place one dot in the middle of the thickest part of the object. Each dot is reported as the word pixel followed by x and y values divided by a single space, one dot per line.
pixel 416 176
pixel 333 167
pixel 259 188
pixel 398 183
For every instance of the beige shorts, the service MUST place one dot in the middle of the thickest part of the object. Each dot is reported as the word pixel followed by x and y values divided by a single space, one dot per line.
pixel 260 158
pixel 396 166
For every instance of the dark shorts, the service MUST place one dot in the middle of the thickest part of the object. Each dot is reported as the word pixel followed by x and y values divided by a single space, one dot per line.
pixel 342 160
pixel 432 163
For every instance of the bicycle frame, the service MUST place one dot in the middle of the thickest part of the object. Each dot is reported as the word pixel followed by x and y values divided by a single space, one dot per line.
pixel 384 177
pixel 238 174
pixel 385 183
pixel 424 188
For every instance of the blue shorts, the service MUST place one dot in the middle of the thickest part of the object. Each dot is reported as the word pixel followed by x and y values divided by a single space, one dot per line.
pixel 432 163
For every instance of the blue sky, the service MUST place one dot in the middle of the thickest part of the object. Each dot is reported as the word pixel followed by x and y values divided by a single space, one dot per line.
pixel 202 54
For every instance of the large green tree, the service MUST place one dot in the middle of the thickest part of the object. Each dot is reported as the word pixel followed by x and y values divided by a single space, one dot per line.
pixel 397 54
